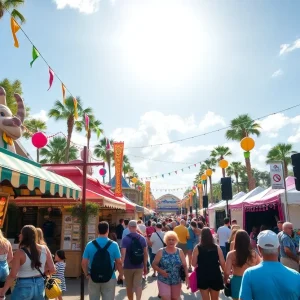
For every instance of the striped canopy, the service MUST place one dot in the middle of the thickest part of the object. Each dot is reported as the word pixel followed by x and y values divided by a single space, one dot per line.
pixel 20 171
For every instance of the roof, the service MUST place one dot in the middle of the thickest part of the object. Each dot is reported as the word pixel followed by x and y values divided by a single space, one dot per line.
pixel 20 171
pixel 221 205
pixel 125 184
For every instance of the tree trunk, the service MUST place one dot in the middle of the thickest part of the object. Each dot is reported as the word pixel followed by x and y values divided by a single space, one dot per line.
pixel 200 198
pixel 237 182
pixel 251 180
pixel 70 130
pixel 286 171
pixel 37 155
pixel 223 172
pixel 211 190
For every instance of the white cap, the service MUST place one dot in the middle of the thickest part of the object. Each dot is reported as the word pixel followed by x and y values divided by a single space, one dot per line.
pixel 132 223
pixel 267 239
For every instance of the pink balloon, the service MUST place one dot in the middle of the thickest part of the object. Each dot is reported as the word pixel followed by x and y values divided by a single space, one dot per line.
pixel 102 172
pixel 39 140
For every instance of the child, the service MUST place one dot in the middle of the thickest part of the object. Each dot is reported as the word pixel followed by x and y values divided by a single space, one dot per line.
pixel 60 269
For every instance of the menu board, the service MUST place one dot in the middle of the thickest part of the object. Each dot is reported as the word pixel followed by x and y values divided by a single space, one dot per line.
pixel 4 199
pixel 71 233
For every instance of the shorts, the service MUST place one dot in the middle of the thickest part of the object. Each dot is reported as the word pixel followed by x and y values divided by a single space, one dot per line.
pixel 170 291
pixel 191 245
pixel 183 247
pixel 236 282
pixel 133 278
pixel 213 284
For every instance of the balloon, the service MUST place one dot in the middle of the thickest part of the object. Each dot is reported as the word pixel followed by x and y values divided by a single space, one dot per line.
pixel 102 172
pixel 39 140
pixel 247 144
pixel 208 172
pixel 134 180
pixel 203 177
pixel 223 163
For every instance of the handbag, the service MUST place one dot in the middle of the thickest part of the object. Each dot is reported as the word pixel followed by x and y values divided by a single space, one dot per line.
pixel 52 288
pixel 193 281
pixel 161 239
pixel 182 273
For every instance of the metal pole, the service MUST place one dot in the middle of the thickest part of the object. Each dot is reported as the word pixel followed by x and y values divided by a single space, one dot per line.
pixel 227 209
pixel 286 208
pixel 82 279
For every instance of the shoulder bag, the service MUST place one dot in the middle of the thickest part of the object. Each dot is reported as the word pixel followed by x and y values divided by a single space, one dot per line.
pixel 161 239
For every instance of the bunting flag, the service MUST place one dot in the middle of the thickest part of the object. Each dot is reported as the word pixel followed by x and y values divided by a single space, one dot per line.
pixel 147 194
pixel 87 122
pixel 51 78
pixel 108 147
pixel 118 158
pixel 195 165
pixel 63 89
pixel 14 29
pixel 35 55
pixel 75 109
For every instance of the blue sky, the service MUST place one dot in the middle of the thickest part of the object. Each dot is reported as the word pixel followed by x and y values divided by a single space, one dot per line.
pixel 155 71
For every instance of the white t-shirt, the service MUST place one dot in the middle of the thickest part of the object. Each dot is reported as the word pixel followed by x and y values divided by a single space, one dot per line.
pixel 142 228
pixel 156 242
pixel 224 234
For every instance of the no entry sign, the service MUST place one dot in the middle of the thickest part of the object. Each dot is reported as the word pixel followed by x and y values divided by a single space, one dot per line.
pixel 277 178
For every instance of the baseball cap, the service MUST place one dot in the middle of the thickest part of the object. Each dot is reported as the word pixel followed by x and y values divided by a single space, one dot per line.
pixel 132 223
pixel 267 239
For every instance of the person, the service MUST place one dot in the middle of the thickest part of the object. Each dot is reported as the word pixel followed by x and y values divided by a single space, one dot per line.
pixel 239 260
pixel 105 290
pixel 253 237
pixel 126 229
pixel 288 251
pixel 223 234
pixel 208 258
pixel 194 233
pixel 165 228
pixel 278 228
pixel 167 264
pixel 156 241
pixel 119 231
pixel 141 227
pixel 41 240
pixel 28 263
pixel 233 222
pixel 231 240
pixel 60 265
pixel 6 256
pixel 133 272
pixel 270 279
pixel 49 229
pixel 183 236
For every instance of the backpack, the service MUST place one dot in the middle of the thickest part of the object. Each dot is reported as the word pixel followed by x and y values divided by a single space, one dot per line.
pixel 136 251
pixel 101 268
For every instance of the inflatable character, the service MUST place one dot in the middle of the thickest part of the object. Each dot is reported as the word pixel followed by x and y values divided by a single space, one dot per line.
pixel 10 126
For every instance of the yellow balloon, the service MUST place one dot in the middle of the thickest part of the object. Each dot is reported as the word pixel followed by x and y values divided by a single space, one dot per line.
pixel 199 185
pixel 134 180
pixel 223 163
pixel 247 144
pixel 208 172
pixel 203 177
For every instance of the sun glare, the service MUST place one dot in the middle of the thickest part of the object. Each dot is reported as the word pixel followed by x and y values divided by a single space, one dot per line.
pixel 163 42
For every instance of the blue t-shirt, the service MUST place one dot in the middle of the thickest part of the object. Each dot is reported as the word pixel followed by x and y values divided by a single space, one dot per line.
pixel 270 280
pixel 286 241
pixel 113 250
pixel 126 231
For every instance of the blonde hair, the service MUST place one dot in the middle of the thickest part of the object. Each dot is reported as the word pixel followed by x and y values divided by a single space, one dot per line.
pixel 40 237
pixel 171 234
pixel 3 240
pixel 233 234
pixel 235 227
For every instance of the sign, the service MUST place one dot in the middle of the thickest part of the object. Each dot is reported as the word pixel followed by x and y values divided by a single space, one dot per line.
pixel 167 203
pixel 277 177
pixel 4 199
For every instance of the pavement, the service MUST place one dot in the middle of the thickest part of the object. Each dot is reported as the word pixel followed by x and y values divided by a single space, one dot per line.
pixel 150 291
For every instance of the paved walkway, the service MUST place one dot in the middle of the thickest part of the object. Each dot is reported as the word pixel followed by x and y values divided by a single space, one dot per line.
pixel 150 291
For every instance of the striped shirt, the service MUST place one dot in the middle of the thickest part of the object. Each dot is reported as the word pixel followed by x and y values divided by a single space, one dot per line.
pixel 60 274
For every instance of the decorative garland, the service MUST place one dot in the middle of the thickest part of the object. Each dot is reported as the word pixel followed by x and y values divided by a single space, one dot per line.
pixel 91 209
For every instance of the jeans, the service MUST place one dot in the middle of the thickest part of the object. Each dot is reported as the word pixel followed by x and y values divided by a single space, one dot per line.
pixel 29 289
pixel 4 270
pixel 223 248
pixel 104 291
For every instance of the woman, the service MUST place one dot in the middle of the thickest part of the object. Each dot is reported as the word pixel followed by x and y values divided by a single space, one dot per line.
pixel 208 257
pixel 6 256
pixel 167 263
pixel 253 237
pixel 239 260
pixel 149 231
pixel 194 233
pixel 30 283
pixel 40 234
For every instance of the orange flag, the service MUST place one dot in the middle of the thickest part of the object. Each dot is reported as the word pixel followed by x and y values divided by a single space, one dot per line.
pixel 75 109
pixel 63 88
pixel 14 29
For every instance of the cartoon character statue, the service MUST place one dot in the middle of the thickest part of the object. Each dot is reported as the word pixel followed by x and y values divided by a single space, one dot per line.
pixel 10 126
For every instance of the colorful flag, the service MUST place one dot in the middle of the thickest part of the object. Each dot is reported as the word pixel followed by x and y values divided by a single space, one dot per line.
pixel 63 89
pixel 35 55
pixel 118 158
pixel 108 147
pixel 75 109
pixel 51 78
pixel 87 122
pixel 14 29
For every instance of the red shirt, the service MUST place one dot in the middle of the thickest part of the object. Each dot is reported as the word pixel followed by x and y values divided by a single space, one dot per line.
pixel 150 230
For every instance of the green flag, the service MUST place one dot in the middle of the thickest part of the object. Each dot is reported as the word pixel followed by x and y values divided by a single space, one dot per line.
pixel 35 55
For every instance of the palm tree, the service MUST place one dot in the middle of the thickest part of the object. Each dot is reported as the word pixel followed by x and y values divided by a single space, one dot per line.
pixel 106 155
pixel 281 152
pixel 220 153
pixel 67 112
pixel 11 5
pixel 34 125
pixel 241 127
pixel 55 151
pixel 235 168
pixel 217 192
pixel 94 127
pixel 209 164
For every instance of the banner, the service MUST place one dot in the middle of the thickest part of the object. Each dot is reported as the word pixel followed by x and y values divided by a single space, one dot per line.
pixel 4 199
pixel 147 195
pixel 118 157
pixel 276 174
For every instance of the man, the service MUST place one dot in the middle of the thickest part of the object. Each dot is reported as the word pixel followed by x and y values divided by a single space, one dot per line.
pixel 126 229
pixel 141 227
pixel 233 222
pixel 119 231
pixel 223 234
pixel 270 279
pixel 156 242
pixel 104 290
pixel 278 229
pixel 288 251
pixel 183 236
pixel 134 272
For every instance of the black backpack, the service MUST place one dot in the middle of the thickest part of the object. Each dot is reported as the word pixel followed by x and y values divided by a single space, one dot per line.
pixel 136 251
pixel 101 268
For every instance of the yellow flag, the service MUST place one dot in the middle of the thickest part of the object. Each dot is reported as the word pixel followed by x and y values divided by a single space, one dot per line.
pixel 14 29
pixel 63 88
pixel 75 109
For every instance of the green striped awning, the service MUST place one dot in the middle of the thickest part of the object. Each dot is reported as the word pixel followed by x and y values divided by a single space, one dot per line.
pixel 20 171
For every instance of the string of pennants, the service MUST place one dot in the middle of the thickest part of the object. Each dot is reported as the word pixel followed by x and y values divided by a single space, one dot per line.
pixel 176 172
pixel 169 190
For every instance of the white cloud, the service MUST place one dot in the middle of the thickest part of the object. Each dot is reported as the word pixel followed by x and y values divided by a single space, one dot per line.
pixel 277 73
pixel 272 124
pixel 295 138
pixel 265 147
pixel 286 48
pixel 84 6
pixel 78 139
pixel 211 119
pixel 42 115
